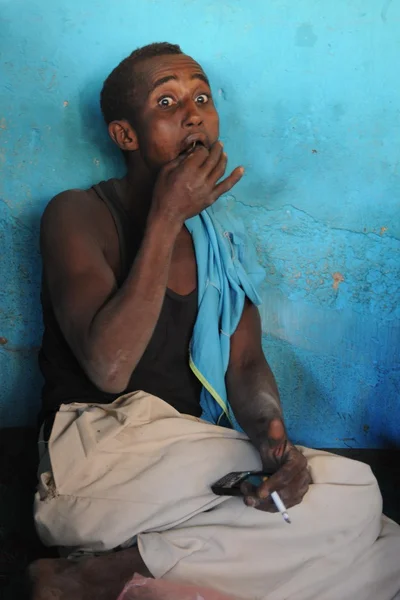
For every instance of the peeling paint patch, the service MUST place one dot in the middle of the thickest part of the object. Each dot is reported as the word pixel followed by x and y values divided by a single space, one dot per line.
pixel 65 103
pixel 383 230
pixel 337 280
pixel 3 341
pixel 222 94
pixel 35 139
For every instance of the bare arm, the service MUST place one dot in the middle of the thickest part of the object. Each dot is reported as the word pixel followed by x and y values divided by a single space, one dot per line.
pixel 254 398
pixel 107 328
pixel 252 390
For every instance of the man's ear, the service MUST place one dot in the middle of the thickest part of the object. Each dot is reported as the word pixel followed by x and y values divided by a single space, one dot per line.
pixel 123 134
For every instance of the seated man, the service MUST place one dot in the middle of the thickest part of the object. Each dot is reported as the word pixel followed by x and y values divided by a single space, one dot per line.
pixel 156 384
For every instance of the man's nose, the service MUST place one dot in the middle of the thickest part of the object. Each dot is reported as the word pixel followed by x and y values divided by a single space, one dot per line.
pixel 192 116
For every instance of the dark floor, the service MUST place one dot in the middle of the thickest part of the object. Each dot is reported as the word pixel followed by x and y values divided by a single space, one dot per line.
pixel 19 545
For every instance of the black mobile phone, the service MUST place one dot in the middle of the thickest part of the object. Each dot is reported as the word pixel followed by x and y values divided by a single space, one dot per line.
pixel 230 484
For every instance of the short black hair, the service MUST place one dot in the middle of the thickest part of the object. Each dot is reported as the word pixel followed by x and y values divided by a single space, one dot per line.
pixel 117 95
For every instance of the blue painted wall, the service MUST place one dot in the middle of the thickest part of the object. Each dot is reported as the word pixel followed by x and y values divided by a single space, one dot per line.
pixel 309 100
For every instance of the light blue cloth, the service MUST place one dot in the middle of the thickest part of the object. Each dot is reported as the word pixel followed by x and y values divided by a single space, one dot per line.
pixel 227 272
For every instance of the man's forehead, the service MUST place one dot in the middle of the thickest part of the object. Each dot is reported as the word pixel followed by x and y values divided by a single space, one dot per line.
pixel 151 70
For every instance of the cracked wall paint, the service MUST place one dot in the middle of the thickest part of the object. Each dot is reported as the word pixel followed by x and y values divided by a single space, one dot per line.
pixel 309 105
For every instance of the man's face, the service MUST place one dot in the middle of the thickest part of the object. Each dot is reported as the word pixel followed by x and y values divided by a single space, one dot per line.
pixel 174 110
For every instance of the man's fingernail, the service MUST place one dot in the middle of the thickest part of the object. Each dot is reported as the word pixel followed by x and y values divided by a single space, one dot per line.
pixel 250 501
pixel 241 170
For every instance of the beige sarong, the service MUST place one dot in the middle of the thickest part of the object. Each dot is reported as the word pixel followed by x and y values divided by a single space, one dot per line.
pixel 137 467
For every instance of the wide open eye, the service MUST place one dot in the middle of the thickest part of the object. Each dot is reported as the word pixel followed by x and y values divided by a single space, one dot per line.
pixel 165 101
pixel 202 98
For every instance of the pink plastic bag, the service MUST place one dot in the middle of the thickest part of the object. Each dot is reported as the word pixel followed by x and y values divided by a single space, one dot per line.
pixel 141 588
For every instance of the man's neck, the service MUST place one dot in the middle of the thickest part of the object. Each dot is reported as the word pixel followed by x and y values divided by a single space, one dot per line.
pixel 137 192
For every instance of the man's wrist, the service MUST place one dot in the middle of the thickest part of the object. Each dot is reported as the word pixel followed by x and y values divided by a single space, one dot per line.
pixel 163 225
pixel 273 444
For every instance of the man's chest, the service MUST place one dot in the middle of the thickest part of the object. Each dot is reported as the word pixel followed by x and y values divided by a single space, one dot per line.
pixel 182 278
pixel 182 273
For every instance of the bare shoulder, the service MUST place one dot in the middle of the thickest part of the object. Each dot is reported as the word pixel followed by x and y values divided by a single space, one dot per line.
pixel 71 208
pixel 77 214
pixel 77 231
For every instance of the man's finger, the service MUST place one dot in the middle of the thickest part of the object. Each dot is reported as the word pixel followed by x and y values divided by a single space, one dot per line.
pixel 281 479
pixel 291 495
pixel 248 489
pixel 228 183
pixel 197 157
pixel 219 169
pixel 294 493
pixel 213 157
pixel 251 498
pixel 249 492
pixel 264 505
pixel 294 463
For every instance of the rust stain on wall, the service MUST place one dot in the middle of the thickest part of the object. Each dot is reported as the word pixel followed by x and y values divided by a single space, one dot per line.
pixel 337 280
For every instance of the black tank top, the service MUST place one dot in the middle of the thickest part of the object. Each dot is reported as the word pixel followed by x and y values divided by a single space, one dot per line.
pixel 164 367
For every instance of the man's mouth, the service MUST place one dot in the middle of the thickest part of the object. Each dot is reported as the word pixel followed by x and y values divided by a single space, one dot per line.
pixel 191 145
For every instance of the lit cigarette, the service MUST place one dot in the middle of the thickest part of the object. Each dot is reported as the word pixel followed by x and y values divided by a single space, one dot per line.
pixel 280 506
